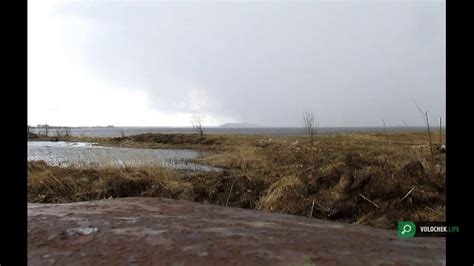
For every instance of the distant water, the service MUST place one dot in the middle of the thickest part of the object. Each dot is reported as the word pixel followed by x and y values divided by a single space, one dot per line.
pixel 89 154
pixel 289 131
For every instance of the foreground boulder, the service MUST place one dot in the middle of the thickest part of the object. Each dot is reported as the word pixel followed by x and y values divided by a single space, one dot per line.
pixel 154 231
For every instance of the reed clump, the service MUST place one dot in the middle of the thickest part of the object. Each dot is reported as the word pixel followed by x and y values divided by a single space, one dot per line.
pixel 52 184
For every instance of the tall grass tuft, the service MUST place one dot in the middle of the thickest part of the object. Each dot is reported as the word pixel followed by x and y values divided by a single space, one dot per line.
pixel 50 184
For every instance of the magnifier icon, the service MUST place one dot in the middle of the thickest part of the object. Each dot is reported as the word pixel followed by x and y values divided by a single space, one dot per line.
pixel 406 229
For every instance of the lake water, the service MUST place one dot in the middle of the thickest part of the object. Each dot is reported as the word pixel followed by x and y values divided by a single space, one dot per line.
pixel 92 155
pixel 290 131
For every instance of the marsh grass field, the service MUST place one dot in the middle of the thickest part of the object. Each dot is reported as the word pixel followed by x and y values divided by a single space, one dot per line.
pixel 373 179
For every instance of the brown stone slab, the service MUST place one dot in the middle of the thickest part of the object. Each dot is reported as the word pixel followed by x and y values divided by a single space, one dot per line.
pixel 154 231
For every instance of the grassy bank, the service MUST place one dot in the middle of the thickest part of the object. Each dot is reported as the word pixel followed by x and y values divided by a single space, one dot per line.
pixel 371 179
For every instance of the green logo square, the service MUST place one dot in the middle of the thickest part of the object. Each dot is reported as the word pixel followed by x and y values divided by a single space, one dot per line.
pixel 406 229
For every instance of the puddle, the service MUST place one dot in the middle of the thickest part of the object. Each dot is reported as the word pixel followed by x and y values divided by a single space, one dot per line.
pixel 86 154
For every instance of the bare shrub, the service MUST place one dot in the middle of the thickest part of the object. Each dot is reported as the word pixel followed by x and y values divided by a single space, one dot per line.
pixel 310 125
pixel 197 122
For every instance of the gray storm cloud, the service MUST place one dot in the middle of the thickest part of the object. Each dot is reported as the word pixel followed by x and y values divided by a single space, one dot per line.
pixel 351 63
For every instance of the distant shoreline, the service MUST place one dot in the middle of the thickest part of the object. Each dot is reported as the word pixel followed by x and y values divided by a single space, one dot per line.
pixel 275 131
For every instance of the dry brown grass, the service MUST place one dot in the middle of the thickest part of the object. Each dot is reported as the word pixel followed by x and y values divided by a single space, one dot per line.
pixel 241 157
pixel 277 173
pixel 285 195
pixel 55 184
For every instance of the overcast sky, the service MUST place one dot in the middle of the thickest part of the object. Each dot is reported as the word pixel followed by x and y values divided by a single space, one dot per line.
pixel 150 63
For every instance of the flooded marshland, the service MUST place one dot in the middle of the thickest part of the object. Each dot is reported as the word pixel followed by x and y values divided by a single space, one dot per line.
pixel 84 154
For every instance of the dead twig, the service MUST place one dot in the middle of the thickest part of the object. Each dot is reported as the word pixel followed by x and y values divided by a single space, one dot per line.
pixel 424 114
pixel 406 195
pixel 230 191
pixel 433 210
pixel 311 212
pixel 367 199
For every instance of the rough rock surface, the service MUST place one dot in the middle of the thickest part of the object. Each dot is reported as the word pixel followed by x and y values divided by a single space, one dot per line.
pixel 153 231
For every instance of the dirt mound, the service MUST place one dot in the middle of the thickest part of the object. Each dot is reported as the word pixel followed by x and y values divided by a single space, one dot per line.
pixel 415 169
pixel 382 187
pixel 228 189
pixel 355 189
pixel 344 210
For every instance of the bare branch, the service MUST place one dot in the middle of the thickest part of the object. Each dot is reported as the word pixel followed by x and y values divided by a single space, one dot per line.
pixel 367 199
pixel 311 211
pixel 422 113
pixel 430 139
pixel 406 195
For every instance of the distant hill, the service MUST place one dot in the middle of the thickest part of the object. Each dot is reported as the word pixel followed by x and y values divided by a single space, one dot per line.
pixel 238 125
